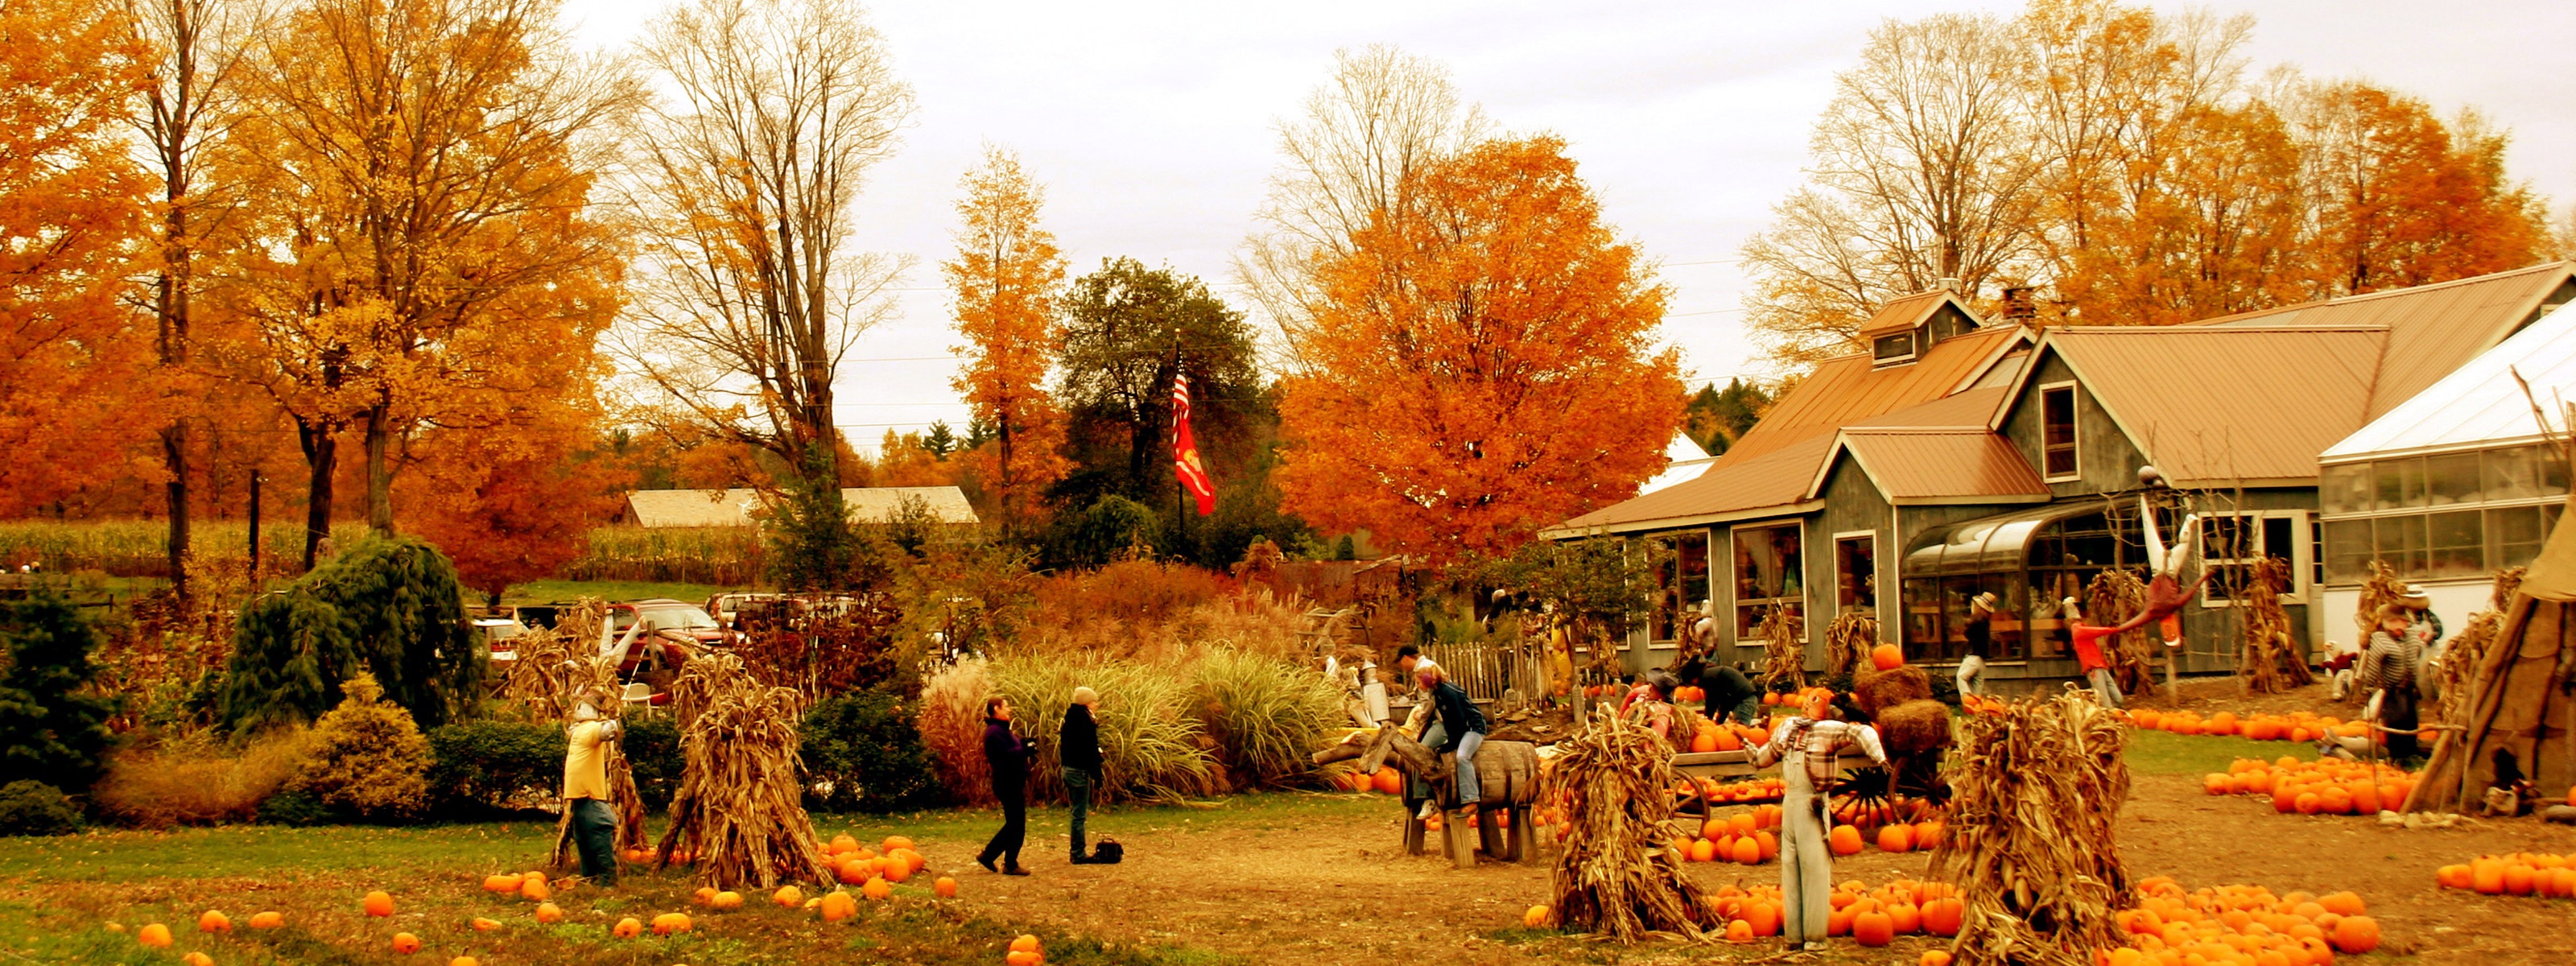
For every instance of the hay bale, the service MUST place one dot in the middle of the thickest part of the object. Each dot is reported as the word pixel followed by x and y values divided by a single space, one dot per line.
pixel 1914 727
pixel 2036 789
pixel 1618 876
pixel 1876 690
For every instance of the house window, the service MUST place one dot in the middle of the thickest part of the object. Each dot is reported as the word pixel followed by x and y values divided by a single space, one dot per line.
pixel 2057 430
pixel 2231 544
pixel 2447 516
pixel 1681 583
pixel 1856 573
pixel 1891 347
pixel 1769 564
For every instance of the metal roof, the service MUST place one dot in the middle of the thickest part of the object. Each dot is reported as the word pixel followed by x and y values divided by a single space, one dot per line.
pixel 1775 482
pixel 1846 389
pixel 1975 407
pixel 1920 466
pixel 1992 544
pixel 1910 312
pixel 2214 406
pixel 2479 404
pixel 658 509
pixel 1683 461
pixel 2432 329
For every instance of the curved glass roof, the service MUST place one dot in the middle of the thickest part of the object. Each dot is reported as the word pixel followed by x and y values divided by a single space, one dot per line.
pixel 1990 544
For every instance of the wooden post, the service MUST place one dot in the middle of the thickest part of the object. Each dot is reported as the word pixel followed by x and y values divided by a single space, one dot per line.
pixel 1414 830
pixel 1489 835
pixel 1453 830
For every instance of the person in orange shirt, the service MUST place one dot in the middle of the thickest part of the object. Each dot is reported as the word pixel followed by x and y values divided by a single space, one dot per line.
pixel 586 795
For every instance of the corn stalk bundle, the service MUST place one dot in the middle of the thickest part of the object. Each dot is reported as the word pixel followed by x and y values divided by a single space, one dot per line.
pixel 1848 641
pixel 2115 596
pixel 1785 658
pixel 2456 672
pixel 1618 876
pixel 2035 791
pixel 2382 589
pixel 555 663
pixel 740 808
pixel 2271 662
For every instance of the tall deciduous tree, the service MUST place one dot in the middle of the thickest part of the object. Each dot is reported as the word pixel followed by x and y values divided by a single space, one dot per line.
pixel 1004 285
pixel 74 203
pixel 194 50
pixel 511 503
pixel 1483 367
pixel 754 288
pixel 1362 139
pixel 426 248
pixel 2402 199
pixel 1127 330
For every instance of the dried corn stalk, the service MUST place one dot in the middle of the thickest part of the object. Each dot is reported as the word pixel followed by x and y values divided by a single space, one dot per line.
pixel 2113 597
pixel 2271 662
pixel 740 809
pixel 555 663
pixel 2454 674
pixel 1785 656
pixel 2382 589
pixel 1848 641
pixel 1618 876
pixel 2036 790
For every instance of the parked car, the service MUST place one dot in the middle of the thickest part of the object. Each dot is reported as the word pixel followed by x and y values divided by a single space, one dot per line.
pixel 651 639
pixel 728 607
pixel 493 638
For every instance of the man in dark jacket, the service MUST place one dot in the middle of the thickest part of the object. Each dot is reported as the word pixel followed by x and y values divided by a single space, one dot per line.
pixel 1456 727
pixel 1724 691
pixel 1078 747
pixel 1009 755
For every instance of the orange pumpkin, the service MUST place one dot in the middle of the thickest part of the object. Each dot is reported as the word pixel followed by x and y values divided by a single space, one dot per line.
pixel 1700 850
pixel 1896 838
pixel 2344 903
pixel 838 905
pixel 1739 931
pixel 671 922
pixel 946 887
pixel 549 913
pixel 2452 876
pixel 1764 917
pixel 379 904
pixel 266 920
pixel 628 928
pixel 501 883
pixel 1748 850
pixel 2487 876
pixel 213 921
pixel 1873 928
pixel 1934 957
pixel 893 842
pixel 788 897
pixel 2518 879
pixel 1943 916
pixel 1386 780
pixel 2308 803
pixel 1844 840
pixel 1022 958
pixel 1535 917
pixel 1886 657
pixel 534 889
pixel 2215 784
pixel 1769 845
pixel 877 889
pixel 486 925
pixel 1905 917
pixel 154 935
pixel 464 961
pixel 406 944
pixel 842 844
pixel 2356 934
pixel 195 958
pixel 1026 943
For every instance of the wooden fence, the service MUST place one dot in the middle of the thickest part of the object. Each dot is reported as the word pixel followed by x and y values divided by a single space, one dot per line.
pixel 1487 669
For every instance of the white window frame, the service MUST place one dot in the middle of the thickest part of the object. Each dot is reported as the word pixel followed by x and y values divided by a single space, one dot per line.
pixel 2075 406
pixel 2302 555
pixel 1837 541
pixel 1806 592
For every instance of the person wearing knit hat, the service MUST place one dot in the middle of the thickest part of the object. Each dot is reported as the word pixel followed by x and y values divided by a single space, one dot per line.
pixel 1078 750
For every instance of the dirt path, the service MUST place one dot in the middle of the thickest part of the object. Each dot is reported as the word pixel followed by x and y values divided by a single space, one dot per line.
pixel 1338 891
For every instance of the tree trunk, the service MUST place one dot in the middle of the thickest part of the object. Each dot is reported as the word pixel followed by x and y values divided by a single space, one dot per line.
pixel 322 456
pixel 174 457
pixel 380 471
pixel 254 527
pixel 171 298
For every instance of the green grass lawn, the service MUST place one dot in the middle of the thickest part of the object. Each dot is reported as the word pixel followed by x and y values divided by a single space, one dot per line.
pixel 2166 753
pixel 551 591
pixel 58 895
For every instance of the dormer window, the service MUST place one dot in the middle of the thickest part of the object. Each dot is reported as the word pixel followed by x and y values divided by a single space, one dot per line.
pixel 1892 348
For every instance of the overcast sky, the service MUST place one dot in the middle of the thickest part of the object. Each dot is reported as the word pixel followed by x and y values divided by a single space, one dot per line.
pixel 1151 123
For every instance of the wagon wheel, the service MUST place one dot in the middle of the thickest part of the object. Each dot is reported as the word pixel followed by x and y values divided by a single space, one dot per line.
pixel 1865 796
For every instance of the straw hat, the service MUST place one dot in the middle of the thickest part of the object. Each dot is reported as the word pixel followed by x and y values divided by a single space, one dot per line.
pixel 2416 597
pixel 1984 601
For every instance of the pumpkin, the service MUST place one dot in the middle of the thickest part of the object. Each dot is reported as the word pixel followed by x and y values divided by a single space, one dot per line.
pixel 2344 903
pixel 1768 844
pixel 2518 879
pixel 1019 958
pixel 154 935
pixel 877 889
pixel 406 944
pixel 1026 943
pixel 1739 931
pixel 893 842
pixel 1844 840
pixel 2356 934
pixel 727 899
pixel 549 913
pixel 1764 917
pixel 379 904
pixel 2487 876
pixel 2336 801
pixel 841 844
pixel 486 925
pixel 1387 781
pixel 1748 850
pixel 1704 742
pixel 213 921
pixel 1934 957
pixel 1535 917
pixel 501 883
pixel 2215 784
pixel 1927 834
pixel 1896 838
pixel 788 897
pixel 2308 803
pixel 1886 656
pixel 534 889
pixel 670 922
pixel 1943 916
pixel 2452 876
pixel 1873 928
pixel 195 958
pixel 464 961
pixel 1701 850
pixel 839 905
pixel 898 870
pixel 856 871
pixel 266 920
pixel 628 928
pixel 946 887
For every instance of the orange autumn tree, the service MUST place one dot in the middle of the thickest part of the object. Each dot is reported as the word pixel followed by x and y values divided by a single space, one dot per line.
pixel 511 503
pixel 2401 199
pixel 1004 283
pixel 70 355
pixel 1484 367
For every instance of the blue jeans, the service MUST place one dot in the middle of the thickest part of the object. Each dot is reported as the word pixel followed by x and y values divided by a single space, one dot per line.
pixel 1077 792
pixel 1468 788
pixel 594 836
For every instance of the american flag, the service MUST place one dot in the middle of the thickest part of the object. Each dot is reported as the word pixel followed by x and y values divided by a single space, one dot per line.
pixel 1185 449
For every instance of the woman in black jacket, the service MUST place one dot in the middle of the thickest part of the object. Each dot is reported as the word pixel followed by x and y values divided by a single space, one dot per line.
pixel 1078 749
pixel 1009 755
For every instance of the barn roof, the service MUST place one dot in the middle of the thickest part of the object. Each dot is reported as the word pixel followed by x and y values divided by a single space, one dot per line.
pixel 659 509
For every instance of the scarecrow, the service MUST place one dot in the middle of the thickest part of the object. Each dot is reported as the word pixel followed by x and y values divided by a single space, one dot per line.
pixel 1808 748
pixel 2165 592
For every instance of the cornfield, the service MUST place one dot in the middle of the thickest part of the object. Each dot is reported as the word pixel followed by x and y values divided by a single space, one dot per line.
pixel 740 809
pixel 140 548
pixel 721 556
pixel 1618 876
pixel 2271 662
pixel 2036 790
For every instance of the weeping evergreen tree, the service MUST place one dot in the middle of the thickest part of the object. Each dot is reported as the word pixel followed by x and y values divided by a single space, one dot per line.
pixel 390 607
pixel 53 729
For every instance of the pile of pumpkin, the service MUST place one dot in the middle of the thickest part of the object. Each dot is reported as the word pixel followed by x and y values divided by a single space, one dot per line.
pixel 1742 791
pixel 1793 700
pixel 2326 786
pixel 1872 917
pixel 1748 838
pixel 2299 726
pixel 2548 875
pixel 2240 926
pixel 1724 735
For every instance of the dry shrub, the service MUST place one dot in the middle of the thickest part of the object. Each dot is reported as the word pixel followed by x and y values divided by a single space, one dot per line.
pixel 1848 641
pixel 1783 633
pixel 1143 610
pixel 952 727
pixel 2035 793
pixel 1618 876
pixel 1266 716
pixel 1151 746
pixel 2115 596
pixel 198 781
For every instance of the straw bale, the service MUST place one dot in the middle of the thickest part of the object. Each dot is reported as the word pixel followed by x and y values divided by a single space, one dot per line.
pixel 1914 727
pixel 1878 690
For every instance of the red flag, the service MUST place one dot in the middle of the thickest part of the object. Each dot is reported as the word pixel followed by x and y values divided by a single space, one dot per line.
pixel 1185 449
